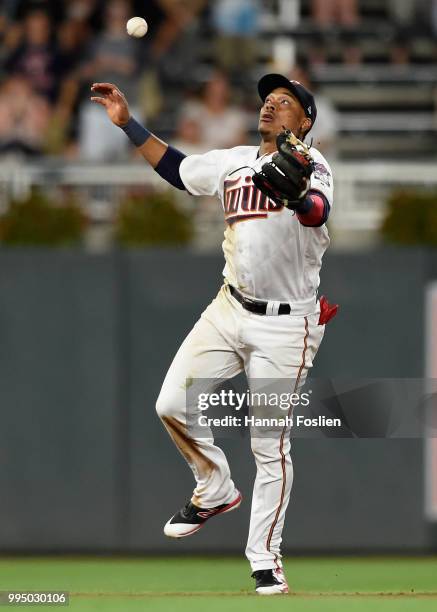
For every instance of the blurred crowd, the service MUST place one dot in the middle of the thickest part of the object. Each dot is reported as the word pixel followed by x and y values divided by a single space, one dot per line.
pixel 52 50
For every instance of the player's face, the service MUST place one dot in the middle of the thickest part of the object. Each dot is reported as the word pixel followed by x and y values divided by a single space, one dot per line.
pixel 282 109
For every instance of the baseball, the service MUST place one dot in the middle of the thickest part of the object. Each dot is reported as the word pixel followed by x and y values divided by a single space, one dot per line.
pixel 137 27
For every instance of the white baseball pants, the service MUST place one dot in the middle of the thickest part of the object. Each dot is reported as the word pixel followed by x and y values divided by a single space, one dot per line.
pixel 227 339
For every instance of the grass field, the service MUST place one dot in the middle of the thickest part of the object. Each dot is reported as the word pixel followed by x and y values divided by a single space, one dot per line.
pixel 212 584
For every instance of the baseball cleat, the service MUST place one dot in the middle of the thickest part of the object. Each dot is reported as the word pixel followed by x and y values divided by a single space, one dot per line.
pixel 270 582
pixel 191 518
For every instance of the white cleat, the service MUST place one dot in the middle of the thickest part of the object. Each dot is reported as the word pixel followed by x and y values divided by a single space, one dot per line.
pixel 270 582
pixel 191 518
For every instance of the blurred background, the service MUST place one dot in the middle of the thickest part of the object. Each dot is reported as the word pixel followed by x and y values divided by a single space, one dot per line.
pixel 104 269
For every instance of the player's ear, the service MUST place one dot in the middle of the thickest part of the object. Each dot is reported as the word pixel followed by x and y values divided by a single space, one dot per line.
pixel 306 125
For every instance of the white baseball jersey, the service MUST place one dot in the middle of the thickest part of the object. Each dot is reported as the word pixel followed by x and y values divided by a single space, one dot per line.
pixel 269 254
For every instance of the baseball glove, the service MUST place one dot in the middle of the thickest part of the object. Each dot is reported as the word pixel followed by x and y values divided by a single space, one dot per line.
pixel 286 178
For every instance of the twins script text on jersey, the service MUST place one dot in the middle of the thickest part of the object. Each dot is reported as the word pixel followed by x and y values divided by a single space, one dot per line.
pixel 242 201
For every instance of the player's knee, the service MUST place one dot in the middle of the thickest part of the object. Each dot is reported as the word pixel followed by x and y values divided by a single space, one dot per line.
pixel 164 406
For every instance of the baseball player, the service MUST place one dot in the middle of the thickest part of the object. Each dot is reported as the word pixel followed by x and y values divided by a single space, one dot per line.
pixel 266 318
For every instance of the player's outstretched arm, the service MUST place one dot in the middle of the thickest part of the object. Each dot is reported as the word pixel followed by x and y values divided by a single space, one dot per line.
pixel 164 159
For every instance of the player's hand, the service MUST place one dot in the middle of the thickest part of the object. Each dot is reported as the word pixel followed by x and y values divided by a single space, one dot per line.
pixel 113 100
pixel 286 179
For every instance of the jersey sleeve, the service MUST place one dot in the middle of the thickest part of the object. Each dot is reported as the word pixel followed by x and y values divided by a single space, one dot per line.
pixel 201 173
pixel 321 179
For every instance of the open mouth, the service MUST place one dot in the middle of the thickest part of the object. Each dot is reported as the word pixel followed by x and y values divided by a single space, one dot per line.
pixel 267 118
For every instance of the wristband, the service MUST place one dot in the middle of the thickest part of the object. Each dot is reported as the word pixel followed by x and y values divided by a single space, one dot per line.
pixel 136 133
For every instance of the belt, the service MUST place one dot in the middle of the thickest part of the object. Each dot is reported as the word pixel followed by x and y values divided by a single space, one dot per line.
pixel 260 307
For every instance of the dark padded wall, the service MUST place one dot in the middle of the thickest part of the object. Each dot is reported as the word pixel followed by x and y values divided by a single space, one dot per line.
pixel 379 330
pixel 84 461
pixel 58 423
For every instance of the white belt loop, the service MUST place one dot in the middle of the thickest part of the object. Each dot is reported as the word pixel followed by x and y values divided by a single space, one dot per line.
pixel 272 309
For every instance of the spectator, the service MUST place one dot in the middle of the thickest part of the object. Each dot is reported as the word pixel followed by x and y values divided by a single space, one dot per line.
pixel 189 136
pixel 352 55
pixel 10 36
pixel 206 215
pixel 24 118
pixel 400 53
pixel 434 17
pixel 327 13
pixel 402 11
pixel 236 24
pixel 3 30
pixel 83 17
pixel 3 25
pixel 326 128
pixel 221 125
pixel 35 59
pixel 188 139
pixel 351 51
pixel 112 57
pixel 69 59
pixel 20 8
pixel 169 19
pixel 317 52
pixel 174 41
pixel 10 8
pixel 70 48
pixel 74 33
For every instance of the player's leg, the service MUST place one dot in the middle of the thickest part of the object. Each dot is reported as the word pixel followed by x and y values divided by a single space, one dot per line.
pixel 205 355
pixel 286 347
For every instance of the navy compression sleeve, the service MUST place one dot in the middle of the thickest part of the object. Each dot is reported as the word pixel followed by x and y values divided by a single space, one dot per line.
pixel 168 167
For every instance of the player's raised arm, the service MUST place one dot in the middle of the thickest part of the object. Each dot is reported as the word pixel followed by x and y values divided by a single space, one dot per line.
pixel 162 157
